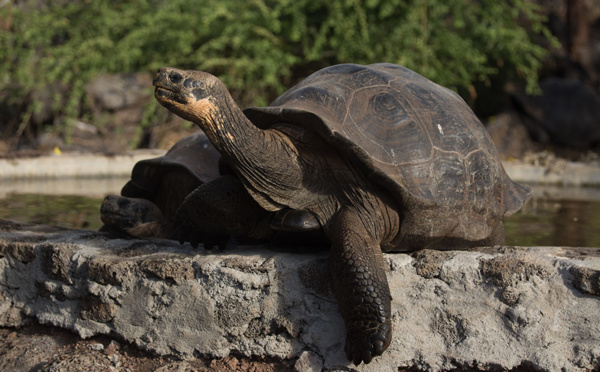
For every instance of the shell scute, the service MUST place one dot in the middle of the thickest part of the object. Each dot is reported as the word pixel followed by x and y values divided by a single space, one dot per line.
pixel 449 179
pixel 418 140
pixel 387 127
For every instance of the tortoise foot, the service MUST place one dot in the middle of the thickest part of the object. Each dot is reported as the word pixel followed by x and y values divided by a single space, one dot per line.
pixel 363 344
pixel 185 230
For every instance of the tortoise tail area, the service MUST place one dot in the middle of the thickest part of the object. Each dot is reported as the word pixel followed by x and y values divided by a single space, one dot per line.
pixel 515 196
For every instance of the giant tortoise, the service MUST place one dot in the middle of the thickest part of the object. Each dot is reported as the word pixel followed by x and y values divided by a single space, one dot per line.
pixel 385 159
pixel 158 186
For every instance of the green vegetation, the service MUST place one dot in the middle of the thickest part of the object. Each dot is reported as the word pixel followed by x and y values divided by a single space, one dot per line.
pixel 261 47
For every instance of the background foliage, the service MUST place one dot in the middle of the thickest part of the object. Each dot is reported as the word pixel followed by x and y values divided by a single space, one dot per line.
pixel 261 47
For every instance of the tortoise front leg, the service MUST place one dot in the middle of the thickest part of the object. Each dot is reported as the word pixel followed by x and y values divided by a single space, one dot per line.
pixel 219 209
pixel 361 287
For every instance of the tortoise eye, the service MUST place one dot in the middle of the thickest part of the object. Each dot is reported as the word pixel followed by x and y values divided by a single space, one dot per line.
pixel 175 77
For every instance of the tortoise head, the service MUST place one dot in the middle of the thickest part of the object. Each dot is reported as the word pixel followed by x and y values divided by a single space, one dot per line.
pixel 190 94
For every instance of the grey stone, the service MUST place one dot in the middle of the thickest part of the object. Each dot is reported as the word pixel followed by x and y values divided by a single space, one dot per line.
pixel 586 279
pixel 97 347
pixel 308 362
pixel 509 134
pixel 176 367
pixel 569 111
pixel 117 91
pixel 490 308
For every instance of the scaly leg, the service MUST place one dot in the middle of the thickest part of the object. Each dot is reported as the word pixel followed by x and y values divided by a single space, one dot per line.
pixel 361 287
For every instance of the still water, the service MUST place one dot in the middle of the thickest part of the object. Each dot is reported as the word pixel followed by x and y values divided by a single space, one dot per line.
pixel 553 217
pixel 71 203
pixel 557 216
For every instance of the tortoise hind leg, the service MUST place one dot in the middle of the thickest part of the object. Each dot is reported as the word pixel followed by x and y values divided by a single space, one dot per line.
pixel 361 288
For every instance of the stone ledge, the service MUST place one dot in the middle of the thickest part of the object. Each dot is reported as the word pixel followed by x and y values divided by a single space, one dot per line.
pixel 75 165
pixel 494 308
pixel 566 173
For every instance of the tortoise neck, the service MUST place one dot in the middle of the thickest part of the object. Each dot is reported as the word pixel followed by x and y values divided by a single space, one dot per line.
pixel 230 131
pixel 265 160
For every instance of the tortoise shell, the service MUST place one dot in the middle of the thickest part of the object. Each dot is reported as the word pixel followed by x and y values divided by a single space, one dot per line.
pixel 168 179
pixel 415 138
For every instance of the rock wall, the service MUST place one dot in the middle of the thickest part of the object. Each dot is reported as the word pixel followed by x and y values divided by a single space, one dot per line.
pixel 494 308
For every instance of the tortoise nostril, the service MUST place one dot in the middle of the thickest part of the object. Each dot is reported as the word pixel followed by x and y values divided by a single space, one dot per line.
pixel 175 77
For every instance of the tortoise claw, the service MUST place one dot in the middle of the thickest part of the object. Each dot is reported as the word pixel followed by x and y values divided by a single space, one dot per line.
pixel 177 233
pixel 363 346
pixel 223 242
pixel 194 241
pixel 215 240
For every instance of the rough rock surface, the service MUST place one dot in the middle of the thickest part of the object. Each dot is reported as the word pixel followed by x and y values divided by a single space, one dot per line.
pixel 510 135
pixel 490 309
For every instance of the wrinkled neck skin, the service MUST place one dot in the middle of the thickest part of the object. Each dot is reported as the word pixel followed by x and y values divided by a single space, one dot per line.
pixel 265 160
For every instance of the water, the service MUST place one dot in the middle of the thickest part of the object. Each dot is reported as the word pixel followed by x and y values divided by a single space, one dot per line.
pixel 557 217
pixel 71 203
pixel 554 217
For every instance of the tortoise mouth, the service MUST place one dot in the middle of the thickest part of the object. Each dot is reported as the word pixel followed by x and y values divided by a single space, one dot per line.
pixel 117 219
pixel 162 91
pixel 161 85
pixel 166 94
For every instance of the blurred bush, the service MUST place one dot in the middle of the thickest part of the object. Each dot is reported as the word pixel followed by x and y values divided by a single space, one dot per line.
pixel 259 48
